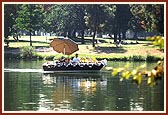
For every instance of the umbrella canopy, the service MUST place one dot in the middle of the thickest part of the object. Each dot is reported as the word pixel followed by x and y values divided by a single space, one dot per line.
pixel 64 45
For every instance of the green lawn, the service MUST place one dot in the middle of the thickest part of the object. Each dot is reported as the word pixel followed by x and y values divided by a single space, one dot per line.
pixel 105 49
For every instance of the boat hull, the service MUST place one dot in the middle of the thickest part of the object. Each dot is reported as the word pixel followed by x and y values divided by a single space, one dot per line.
pixel 73 67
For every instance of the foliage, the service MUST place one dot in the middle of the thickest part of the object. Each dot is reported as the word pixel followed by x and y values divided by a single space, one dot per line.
pixel 64 19
pixel 27 52
pixel 9 18
pixel 150 58
pixel 137 58
pixel 10 13
pixel 96 17
pixel 157 41
pixel 137 75
pixel 67 19
pixel 30 18
pixel 122 17
pixel 149 16
pixel 140 71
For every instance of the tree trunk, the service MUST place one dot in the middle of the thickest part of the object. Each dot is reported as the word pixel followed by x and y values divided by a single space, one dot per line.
pixel 69 34
pixel 135 36
pixel 83 40
pixel 115 37
pixel 30 39
pixel 94 35
pixel 34 34
pixel 115 33
pixel 123 33
pixel 74 33
pixel 30 24
pixel 119 34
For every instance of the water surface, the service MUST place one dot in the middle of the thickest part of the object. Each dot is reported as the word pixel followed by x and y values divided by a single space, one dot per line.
pixel 28 88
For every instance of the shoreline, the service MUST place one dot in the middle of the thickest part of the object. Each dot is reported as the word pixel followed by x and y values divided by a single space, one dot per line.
pixel 128 52
pixel 109 57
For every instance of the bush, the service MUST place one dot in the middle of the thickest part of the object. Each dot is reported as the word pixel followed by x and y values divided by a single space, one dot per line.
pixel 27 52
pixel 152 58
pixel 137 58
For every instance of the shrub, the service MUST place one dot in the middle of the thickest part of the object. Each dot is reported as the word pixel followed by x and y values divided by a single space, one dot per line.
pixel 27 52
pixel 137 58
pixel 152 58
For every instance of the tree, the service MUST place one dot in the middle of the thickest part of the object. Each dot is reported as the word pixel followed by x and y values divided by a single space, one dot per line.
pixel 150 16
pixel 140 72
pixel 95 18
pixel 30 18
pixel 78 12
pixel 109 24
pixel 47 9
pixel 136 25
pixel 122 17
pixel 66 19
pixel 9 18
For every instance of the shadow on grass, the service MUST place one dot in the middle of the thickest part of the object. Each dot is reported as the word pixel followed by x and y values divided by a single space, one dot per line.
pixel 10 49
pixel 110 50
pixel 27 41
pixel 89 40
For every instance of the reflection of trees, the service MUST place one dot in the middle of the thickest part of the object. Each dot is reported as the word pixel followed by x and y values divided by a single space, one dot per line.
pixel 70 92
pixel 20 91
pixel 62 96
pixel 57 92
pixel 76 93
pixel 92 94
pixel 154 97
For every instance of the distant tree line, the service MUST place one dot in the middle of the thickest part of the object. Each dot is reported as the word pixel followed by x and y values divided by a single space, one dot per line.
pixel 67 19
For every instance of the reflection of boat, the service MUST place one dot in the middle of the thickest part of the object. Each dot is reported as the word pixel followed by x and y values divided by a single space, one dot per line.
pixel 65 90
pixel 74 67
pixel 52 78
pixel 73 75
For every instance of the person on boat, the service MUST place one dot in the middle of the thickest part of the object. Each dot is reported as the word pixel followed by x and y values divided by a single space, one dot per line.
pixel 62 59
pixel 76 59
pixel 67 60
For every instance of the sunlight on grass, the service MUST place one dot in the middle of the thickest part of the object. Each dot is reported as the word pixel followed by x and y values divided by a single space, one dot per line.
pixel 21 44
pixel 105 48
pixel 35 38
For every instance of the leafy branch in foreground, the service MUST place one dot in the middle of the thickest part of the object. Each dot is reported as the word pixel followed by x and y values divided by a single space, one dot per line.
pixel 140 73
pixel 157 41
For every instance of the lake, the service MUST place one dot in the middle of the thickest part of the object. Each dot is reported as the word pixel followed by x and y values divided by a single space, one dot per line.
pixel 28 88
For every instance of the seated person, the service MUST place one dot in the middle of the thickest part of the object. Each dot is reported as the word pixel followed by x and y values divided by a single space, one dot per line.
pixel 62 59
pixel 76 59
pixel 67 60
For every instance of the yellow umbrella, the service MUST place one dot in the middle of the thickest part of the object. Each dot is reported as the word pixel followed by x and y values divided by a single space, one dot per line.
pixel 64 45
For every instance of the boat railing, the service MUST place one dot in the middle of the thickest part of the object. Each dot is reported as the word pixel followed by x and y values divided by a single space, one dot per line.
pixel 80 64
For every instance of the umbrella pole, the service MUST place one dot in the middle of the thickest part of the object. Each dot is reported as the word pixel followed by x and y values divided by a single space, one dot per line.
pixel 64 50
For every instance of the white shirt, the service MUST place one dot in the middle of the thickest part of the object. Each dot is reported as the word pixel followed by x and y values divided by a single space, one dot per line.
pixel 76 60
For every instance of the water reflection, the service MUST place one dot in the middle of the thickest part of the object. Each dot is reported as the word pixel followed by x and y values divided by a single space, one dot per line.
pixel 37 91
pixel 68 89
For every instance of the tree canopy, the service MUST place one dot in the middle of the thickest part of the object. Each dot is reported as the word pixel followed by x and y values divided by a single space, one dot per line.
pixel 10 13
pixel 67 19
pixel 30 18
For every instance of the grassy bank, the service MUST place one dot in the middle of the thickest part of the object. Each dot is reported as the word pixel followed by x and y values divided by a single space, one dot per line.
pixel 98 57
pixel 131 51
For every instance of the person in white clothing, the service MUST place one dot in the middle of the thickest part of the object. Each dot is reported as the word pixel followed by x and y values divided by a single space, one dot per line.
pixel 76 59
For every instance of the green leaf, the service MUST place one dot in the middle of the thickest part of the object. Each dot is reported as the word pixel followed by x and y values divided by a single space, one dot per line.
pixel 115 72
pixel 139 79
pixel 150 81
pixel 126 74
pixel 134 72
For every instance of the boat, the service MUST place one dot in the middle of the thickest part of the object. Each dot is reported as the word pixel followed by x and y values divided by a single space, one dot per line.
pixel 74 67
